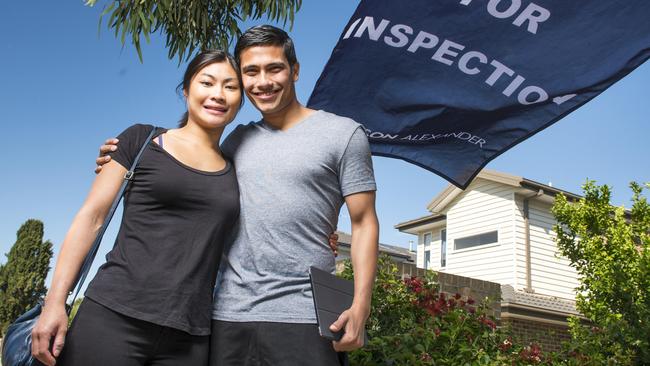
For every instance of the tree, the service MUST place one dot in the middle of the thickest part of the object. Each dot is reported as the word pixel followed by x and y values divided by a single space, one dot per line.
pixel 3 280
pixel 609 248
pixel 22 278
pixel 190 25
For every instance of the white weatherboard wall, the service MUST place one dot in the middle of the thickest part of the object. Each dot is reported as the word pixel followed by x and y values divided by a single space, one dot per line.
pixel 488 206
pixel 550 274
pixel 485 206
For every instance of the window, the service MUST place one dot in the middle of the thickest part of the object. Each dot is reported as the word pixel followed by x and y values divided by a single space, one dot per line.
pixel 443 247
pixel 427 259
pixel 427 239
pixel 476 240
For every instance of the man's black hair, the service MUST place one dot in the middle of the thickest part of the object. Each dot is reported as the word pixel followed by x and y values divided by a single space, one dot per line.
pixel 266 35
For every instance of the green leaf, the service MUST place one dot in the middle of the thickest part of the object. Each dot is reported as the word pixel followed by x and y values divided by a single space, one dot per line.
pixel 137 47
pixel 190 25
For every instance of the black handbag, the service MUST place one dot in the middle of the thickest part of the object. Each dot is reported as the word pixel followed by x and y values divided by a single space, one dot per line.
pixel 17 344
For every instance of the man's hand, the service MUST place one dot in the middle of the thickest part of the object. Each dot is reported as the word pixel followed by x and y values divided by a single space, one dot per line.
pixel 353 321
pixel 103 158
pixel 334 243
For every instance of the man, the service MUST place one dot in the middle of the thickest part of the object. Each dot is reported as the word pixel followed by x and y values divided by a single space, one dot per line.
pixel 295 167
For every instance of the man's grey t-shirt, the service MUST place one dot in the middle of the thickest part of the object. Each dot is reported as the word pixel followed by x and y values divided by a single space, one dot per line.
pixel 292 186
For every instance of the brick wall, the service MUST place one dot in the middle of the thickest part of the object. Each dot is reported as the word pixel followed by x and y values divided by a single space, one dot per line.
pixel 549 336
pixel 452 284
pixel 472 288
pixel 465 286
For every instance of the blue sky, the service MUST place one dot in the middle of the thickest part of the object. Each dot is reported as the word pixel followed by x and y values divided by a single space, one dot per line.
pixel 65 89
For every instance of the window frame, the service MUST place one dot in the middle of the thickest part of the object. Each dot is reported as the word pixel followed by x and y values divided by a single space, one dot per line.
pixel 443 248
pixel 483 238
pixel 424 238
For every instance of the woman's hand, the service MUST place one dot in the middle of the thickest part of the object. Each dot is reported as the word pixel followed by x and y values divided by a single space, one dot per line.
pixel 334 243
pixel 48 335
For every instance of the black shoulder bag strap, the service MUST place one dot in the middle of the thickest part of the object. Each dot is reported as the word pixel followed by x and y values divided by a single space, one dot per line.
pixel 90 257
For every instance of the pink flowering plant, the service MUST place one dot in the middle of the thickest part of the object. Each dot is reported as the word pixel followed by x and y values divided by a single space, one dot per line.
pixel 413 323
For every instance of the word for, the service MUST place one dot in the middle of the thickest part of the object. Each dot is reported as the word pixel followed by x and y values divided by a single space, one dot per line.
pixel 532 14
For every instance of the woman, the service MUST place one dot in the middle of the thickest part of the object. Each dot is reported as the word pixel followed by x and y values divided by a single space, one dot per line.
pixel 150 303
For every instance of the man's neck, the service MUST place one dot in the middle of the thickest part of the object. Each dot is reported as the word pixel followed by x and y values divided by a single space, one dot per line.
pixel 288 117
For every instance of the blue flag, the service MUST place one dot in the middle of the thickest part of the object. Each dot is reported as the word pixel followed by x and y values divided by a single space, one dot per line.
pixel 449 85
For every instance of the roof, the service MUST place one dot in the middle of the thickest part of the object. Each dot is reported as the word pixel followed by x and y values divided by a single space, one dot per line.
pixel 549 190
pixel 511 297
pixel 429 219
pixel 345 240
pixel 439 204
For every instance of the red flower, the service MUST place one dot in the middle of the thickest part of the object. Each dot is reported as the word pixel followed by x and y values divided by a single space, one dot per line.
pixel 535 349
pixel 490 324
pixel 470 301
pixel 506 344
pixel 532 353
pixel 457 296
pixel 436 331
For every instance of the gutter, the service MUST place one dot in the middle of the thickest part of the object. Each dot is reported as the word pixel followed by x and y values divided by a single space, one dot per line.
pixel 430 219
pixel 527 199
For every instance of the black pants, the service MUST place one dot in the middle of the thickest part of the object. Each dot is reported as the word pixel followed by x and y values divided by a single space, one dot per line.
pixel 270 344
pixel 101 337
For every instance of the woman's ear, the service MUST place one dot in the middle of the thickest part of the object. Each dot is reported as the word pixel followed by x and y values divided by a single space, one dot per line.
pixel 296 71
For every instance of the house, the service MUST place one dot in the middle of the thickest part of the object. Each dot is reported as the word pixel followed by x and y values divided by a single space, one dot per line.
pixel 500 230
pixel 403 258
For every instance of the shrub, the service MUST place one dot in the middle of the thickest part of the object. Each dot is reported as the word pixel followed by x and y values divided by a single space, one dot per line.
pixel 413 323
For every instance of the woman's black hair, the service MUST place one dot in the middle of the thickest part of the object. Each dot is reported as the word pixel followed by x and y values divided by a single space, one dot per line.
pixel 201 60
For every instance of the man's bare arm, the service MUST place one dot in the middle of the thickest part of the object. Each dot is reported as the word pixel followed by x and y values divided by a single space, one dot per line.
pixel 364 251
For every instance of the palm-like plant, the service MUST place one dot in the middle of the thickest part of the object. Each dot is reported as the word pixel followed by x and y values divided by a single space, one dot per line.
pixel 190 25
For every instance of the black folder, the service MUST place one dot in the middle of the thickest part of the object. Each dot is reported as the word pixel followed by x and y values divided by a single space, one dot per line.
pixel 332 296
